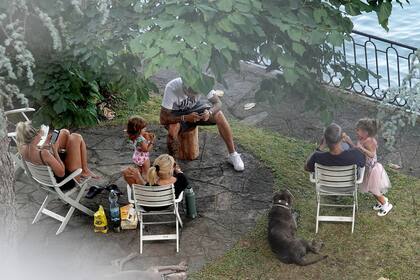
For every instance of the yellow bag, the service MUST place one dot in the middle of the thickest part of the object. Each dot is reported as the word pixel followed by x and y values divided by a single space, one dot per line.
pixel 99 221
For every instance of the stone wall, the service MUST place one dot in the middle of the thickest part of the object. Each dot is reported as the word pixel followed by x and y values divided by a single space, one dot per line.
pixel 290 117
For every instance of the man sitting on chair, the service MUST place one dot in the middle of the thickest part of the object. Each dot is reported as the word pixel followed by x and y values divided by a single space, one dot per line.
pixel 183 109
pixel 337 155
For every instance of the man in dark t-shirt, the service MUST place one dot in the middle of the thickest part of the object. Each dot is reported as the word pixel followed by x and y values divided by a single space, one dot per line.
pixel 336 156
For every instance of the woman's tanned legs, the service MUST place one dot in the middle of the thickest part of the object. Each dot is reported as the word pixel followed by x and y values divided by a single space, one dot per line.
pixel 76 156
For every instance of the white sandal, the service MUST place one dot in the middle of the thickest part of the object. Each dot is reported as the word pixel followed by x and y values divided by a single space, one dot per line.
pixel 385 210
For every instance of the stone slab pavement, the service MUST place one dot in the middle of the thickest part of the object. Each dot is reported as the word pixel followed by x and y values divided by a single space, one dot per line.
pixel 229 203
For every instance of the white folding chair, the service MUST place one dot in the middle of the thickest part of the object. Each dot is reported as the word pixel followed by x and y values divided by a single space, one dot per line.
pixel 12 133
pixel 130 197
pixel 336 181
pixel 157 196
pixel 44 176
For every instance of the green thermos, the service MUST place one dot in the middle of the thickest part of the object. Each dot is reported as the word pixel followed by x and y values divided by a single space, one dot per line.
pixel 190 199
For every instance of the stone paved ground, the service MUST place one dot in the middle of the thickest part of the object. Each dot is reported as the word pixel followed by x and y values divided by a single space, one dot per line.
pixel 229 204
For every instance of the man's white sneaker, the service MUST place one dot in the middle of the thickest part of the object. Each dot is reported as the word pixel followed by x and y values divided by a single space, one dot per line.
pixel 385 209
pixel 235 159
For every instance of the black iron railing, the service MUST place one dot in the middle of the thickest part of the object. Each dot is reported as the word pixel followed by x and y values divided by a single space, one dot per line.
pixel 389 63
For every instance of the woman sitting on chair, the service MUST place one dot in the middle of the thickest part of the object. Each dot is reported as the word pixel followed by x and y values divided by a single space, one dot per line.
pixel 75 156
pixel 165 171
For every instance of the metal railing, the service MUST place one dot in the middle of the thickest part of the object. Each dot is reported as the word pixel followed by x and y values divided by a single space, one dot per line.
pixel 389 61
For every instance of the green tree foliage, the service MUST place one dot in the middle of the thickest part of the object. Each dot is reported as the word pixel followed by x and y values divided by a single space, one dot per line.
pixel 295 36
pixel 65 93
pixel 85 42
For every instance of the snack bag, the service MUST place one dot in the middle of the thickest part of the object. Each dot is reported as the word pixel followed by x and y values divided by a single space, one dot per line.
pixel 129 219
pixel 99 221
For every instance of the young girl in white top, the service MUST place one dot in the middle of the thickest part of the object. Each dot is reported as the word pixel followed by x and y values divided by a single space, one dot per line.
pixel 376 180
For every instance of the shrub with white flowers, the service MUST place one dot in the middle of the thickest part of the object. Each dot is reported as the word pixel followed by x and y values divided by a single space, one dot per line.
pixel 393 118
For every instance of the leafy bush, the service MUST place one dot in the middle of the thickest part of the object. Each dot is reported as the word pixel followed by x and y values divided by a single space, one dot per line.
pixel 66 93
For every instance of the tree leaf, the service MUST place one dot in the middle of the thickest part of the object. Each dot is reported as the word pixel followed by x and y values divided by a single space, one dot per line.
pixel 346 82
pixel 352 9
pixel 298 48
pixel 224 5
pixel 60 105
pixel 319 14
pixel 290 75
pixel 151 52
pixel 383 14
pixel 225 25
pixel 286 60
pixel 295 34
pixel 335 38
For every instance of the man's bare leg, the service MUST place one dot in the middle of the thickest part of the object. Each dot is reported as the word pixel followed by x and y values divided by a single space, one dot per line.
pixel 225 131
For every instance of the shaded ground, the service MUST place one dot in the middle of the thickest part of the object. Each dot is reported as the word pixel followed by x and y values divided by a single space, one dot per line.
pixel 229 204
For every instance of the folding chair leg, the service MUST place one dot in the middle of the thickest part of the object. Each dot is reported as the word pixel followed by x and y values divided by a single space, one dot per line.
pixel 317 216
pixel 38 215
pixel 75 202
pixel 357 203
pixel 66 220
pixel 178 217
pixel 177 234
pixel 141 233
pixel 352 222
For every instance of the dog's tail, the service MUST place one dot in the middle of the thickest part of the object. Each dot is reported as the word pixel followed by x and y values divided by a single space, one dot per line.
pixel 304 262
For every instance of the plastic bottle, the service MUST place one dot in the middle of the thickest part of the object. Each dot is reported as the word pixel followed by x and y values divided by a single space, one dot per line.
pixel 191 207
pixel 114 210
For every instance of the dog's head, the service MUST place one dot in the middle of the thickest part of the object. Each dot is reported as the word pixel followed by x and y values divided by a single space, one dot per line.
pixel 283 196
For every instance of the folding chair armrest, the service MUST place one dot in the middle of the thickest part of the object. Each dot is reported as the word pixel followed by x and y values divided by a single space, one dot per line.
pixel 21 110
pixel 361 175
pixel 70 177
pixel 180 197
pixel 312 177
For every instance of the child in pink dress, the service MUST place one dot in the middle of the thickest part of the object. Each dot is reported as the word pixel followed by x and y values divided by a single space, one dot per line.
pixel 376 180
pixel 142 142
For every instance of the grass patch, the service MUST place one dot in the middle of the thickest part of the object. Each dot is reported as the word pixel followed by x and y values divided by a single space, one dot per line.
pixel 148 109
pixel 379 246
pixel 386 246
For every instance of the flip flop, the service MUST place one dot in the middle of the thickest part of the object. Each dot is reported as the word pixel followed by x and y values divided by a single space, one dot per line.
pixel 249 106
pixel 114 188
pixel 93 191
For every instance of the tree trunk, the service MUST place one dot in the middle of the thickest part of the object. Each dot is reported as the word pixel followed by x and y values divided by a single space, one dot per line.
pixel 189 148
pixel 7 198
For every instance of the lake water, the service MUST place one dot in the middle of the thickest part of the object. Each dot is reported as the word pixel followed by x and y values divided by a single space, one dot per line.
pixel 390 62
pixel 404 24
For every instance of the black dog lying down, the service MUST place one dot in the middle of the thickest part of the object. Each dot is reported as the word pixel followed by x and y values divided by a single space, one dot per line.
pixel 282 233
